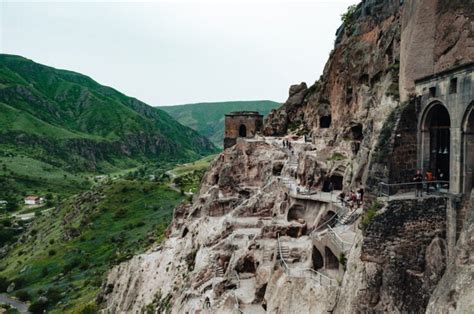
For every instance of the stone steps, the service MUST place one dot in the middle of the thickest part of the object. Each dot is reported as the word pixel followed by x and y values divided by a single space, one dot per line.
pixel 268 255
pixel 219 271
pixel 285 252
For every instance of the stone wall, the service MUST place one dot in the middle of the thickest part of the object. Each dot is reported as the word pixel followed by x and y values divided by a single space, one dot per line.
pixel 407 244
pixel 233 122
pixel 403 158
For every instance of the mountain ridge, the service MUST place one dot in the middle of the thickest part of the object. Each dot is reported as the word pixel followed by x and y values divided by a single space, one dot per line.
pixel 208 117
pixel 72 111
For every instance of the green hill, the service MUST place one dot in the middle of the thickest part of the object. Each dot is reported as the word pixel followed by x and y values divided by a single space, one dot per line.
pixel 64 254
pixel 68 120
pixel 208 118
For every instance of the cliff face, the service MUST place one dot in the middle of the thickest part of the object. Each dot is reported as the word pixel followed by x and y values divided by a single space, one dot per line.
pixel 251 240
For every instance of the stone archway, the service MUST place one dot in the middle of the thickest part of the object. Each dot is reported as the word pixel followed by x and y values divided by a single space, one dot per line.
pixel 296 212
pixel 242 131
pixel 468 150
pixel 436 141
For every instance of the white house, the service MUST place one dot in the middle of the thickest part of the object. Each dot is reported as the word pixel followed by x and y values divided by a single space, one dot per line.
pixel 32 200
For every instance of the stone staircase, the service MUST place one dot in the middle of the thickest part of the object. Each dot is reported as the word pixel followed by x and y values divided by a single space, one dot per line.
pixel 218 271
pixel 348 217
pixel 268 255
pixel 284 252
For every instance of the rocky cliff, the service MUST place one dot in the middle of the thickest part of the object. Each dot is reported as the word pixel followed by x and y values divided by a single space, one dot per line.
pixel 264 235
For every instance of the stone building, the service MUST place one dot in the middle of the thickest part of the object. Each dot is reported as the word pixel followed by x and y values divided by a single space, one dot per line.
pixel 446 126
pixel 241 124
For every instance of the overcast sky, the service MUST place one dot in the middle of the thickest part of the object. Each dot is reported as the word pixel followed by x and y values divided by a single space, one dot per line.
pixel 176 52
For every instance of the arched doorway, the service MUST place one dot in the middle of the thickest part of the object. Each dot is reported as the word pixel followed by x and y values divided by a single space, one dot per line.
pixel 317 259
pixel 468 148
pixel 437 141
pixel 295 213
pixel 242 131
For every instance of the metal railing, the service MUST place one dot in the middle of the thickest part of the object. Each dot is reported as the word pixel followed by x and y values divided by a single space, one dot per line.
pixel 320 278
pixel 336 239
pixel 285 265
pixel 435 187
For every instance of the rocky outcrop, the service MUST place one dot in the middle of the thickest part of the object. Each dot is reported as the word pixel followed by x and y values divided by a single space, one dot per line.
pixel 225 246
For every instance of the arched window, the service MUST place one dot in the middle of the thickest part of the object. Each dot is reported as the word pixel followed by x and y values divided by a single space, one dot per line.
pixel 437 126
pixel 242 131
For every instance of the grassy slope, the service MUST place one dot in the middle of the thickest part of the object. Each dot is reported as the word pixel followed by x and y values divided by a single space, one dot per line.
pixel 187 177
pixel 130 217
pixel 208 118
pixel 58 104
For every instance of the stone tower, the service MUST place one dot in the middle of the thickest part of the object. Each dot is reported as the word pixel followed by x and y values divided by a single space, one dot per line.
pixel 241 124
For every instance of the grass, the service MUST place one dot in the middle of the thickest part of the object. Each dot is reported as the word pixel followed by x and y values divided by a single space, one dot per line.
pixel 188 176
pixel 201 164
pixel 72 248
pixel 68 118
pixel 30 176
pixel 337 157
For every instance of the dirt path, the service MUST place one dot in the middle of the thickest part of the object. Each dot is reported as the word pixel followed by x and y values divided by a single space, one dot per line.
pixel 20 306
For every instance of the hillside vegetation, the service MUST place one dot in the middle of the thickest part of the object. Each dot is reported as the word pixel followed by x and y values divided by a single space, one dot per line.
pixel 61 261
pixel 208 118
pixel 66 119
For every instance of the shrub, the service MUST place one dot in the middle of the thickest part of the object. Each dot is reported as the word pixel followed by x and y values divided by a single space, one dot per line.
pixel 71 265
pixel 23 295
pixel 121 213
pixel 51 252
pixel 38 307
pixel 3 284
pixel 348 17
pixel 369 215
pixel 343 260
pixel 53 295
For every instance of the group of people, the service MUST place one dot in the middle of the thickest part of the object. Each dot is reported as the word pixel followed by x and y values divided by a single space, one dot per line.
pixel 287 144
pixel 352 199
pixel 428 178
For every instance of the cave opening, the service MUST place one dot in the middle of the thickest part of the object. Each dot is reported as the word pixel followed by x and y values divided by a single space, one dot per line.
pixel 337 182
pixel 296 212
pixel 325 122
pixel 331 260
pixel 317 259
pixel 357 132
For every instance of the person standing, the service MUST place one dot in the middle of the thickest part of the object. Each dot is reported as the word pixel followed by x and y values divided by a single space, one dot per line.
pixel 429 178
pixel 418 179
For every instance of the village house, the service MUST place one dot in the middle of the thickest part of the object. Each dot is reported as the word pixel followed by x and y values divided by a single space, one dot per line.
pixel 33 200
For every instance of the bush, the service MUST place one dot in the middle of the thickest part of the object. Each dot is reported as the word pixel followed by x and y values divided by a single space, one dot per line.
pixel 53 295
pixel 348 17
pixel 343 260
pixel 51 252
pixel 23 295
pixel 4 283
pixel 71 265
pixel 369 215
pixel 38 307
pixel 121 213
